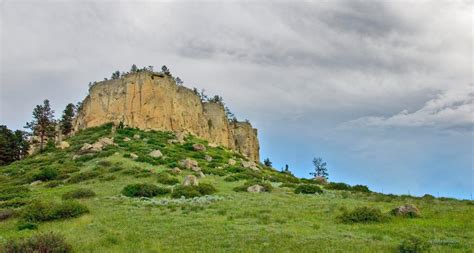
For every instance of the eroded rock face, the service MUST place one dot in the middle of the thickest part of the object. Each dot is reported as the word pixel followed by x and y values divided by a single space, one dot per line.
pixel 150 101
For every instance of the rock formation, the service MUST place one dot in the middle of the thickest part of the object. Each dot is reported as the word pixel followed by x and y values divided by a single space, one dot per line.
pixel 150 100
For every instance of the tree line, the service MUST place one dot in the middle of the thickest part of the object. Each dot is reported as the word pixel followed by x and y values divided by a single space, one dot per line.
pixel 43 128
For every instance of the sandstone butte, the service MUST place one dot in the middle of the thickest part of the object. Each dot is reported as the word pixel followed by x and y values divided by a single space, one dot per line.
pixel 149 100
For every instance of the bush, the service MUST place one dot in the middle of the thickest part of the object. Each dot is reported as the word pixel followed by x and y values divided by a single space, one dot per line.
pixel 243 188
pixel 206 189
pixel 42 243
pixel 144 190
pixel 360 188
pixel 22 225
pixel 104 163
pixel 185 191
pixel 14 203
pixel 165 178
pixel 338 186
pixel 46 174
pixel 14 192
pixel 83 176
pixel 79 194
pixel 362 215
pixel 53 184
pixel 40 211
pixel 414 244
pixel 308 189
pixel 428 197
pixel 6 214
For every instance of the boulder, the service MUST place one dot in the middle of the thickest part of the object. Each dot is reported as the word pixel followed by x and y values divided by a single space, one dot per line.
pixel 63 145
pixel 232 162
pixel 212 145
pixel 256 188
pixel 189 163
pixel 190 180
pixel 126 139
pixel 179 138
pixel 200 174
pixel 136 136
pixel 208 158
pixel 156 154
pixel 133 156
pixel 37 182
pixel 196 169
pixel 104 141
pixel 199 147
pixel 407 210
pixel 98 146
pixel 176 170
pixel 249 164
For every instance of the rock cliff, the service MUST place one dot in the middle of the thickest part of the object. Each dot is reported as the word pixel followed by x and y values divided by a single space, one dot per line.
pixel 153 101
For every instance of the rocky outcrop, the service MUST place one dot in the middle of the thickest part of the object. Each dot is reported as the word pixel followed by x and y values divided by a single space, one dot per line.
pixel 153 101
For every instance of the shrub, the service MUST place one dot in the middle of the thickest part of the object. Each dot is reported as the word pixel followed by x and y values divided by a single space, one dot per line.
pixel 22 225
pixel 288 185
pixel 46 174
pixel 428 197
pixel 14 192
pixel 144 190
pixel 338 186
pixel 43 243
pixel 40 211
pixel 104 163
pixel 79 194
pixel 206 189
pixel 165 178
pixel 53 184
pixel 13 203
pixel 6 214
pixel 83 176
pixel 185 191
pixel 308 189
pixel 414 244
pixel 360 188
pixel 362 215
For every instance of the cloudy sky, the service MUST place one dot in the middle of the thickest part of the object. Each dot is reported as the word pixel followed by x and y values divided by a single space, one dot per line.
pixel 381 90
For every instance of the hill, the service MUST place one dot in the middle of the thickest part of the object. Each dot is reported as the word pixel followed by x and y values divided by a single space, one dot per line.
pixel 120 190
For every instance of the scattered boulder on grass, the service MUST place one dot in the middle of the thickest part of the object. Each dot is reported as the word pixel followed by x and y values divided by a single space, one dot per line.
pixel 407 210
pixel 126 139
pixel 156 154
pixel 212 145
pixel 176 170
pixel 179 138
pixel 190 164
pixel 199 147
pixel 200 174
pixel 190 180
pixel 63 145
pixel 256 188
pixel 232 162
pixel 249 164
pixel 6 214
pixel 208 158
pixel 106 141
pixel 136 136
pixel 37 182
pixel 98 146
pixel 133 156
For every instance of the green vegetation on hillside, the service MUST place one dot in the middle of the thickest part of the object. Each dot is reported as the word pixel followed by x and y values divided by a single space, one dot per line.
pixel 123 199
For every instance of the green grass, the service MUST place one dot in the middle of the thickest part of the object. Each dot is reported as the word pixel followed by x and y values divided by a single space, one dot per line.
pixel 277 221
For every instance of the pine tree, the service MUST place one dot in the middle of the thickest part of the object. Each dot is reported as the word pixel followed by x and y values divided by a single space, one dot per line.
pixel 22 145
pixel 43 123
pixel 115 75
pixel 179 81
pixel 165 70
pixel 267 162
pixel 320 169
pixel 66 120
pixel 134 69
pixel 6 147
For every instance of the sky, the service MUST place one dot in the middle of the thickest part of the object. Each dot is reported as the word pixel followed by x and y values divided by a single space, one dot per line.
pixel 381 90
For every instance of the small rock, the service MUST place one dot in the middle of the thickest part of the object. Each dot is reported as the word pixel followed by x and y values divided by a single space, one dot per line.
pixel 199 147
pixel 86 147
pixel 74 157
pixel 212 145
pixel 249 164
pixel 133 156
pixel 37 182
pixel 200 174
pixel 208 158
pixel 63 145
pixel 189 163
pixel 126 139
pixel 155 154
pixel 106 141
pixel 196 169
pixel 190 180
pixel 136 136
pixel 407 210
pixel 176 170
pixel 256 188
pixel 232 162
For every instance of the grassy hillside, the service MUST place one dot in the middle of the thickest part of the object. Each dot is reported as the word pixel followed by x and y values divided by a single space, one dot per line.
pixel 79 196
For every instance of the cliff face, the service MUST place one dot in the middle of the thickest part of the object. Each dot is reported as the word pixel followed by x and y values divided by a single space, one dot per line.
pixel 153 101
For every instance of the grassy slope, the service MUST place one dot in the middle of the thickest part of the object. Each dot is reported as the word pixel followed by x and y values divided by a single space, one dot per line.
pixel 279 221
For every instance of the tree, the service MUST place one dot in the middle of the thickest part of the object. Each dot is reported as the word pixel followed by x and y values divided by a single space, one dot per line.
pixel 66 120
pixel 320 169
pixel 150 68
pixel 179 81
pixel 134 69
pixel 228 113
pixel 203 95
pixel 267 162
pixel 115 75
pixel 43 122
pixel 13 145
pixel 165 70
pixel 22 145
pixel 217 99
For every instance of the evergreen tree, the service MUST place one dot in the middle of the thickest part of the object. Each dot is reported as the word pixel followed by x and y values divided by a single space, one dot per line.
pixel 115 75
pixel 267 162
pixel 66 120
pixel 320 169
pixel 134 69
pixel 22 145
pixel 228 113
pixel 165 70
pixel 179 81
pixel 13 145
pixel 43 123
